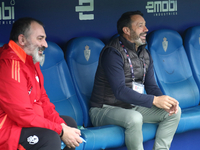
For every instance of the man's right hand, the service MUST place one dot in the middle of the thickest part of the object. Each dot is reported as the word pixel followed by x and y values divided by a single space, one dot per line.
pixel 71 136
pixel 166 102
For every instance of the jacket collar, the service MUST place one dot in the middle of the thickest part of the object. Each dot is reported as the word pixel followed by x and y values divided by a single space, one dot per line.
pixel 128 44
pixel 131 46
pixel 18 50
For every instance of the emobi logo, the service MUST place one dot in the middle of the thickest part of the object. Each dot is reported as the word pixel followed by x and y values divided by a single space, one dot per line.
pixel 7 13
pixel 85 8
pixel 162 8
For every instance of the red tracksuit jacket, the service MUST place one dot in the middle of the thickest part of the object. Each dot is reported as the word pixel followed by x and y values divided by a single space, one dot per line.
pixel 23 100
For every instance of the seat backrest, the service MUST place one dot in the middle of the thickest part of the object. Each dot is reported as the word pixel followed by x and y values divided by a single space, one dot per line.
pixel 172 68
pixel 82 55
pixel 1 44
pixel 192 47
pixel 58 83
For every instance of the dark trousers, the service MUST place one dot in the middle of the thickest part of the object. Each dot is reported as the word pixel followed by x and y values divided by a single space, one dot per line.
pixel 42 138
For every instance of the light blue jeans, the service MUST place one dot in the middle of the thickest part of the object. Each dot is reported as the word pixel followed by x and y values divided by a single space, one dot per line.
pixel 132 120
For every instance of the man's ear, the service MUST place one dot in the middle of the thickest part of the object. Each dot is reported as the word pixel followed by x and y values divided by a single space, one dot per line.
pixel 126 30
pixel 21 39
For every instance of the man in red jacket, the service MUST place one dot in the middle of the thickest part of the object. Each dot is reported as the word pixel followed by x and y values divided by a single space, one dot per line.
pixel 28 119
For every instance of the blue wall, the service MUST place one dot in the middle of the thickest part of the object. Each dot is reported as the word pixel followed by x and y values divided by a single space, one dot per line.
pixel 66 19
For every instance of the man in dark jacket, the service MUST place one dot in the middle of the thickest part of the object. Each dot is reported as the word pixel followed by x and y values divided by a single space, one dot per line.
pixel 124 73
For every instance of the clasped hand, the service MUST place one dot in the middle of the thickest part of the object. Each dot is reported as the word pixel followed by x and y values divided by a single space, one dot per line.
pixel 167 103
pixel 71 136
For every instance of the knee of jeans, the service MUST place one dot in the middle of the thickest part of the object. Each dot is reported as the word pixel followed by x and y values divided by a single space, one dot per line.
pixel 135 119
pixel 92 113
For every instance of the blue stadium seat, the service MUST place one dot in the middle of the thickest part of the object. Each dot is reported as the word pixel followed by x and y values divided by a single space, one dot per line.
pixel 192 47
pixel 82 55
pixel 1 44
pixel 59 86
pixel 58 83
pixel 174 75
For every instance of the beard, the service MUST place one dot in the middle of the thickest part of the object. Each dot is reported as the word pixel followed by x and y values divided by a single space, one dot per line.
pixel 136 38
pixel 33 50
pixel 36 56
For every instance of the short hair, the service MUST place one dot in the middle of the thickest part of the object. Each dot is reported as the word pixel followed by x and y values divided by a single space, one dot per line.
pixel 125 20
pixel 22 26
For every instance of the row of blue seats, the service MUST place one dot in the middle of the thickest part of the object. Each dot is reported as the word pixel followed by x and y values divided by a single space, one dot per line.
pixel 69 78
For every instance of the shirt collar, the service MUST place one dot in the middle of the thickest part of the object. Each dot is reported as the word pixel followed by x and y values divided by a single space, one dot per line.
pixel 18 50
